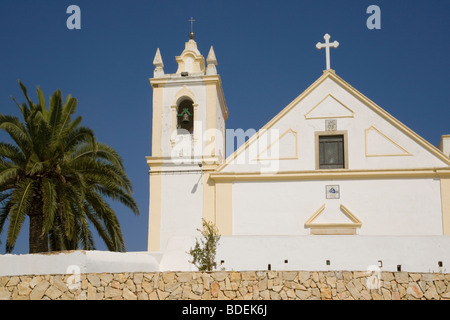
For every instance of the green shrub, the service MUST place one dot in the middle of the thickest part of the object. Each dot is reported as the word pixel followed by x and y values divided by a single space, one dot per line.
pixel 204 252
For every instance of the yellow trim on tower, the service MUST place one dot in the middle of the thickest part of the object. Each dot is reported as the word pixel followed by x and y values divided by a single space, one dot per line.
pixel 156 119
pixel 215 79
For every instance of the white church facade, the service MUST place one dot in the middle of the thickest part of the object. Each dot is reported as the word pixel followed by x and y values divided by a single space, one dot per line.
pixel 333 181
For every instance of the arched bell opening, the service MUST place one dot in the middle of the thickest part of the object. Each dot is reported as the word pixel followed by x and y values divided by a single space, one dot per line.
pixel 185 117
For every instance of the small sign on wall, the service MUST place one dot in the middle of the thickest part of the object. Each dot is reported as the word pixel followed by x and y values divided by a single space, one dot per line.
pixel 331 125
pixel 332 192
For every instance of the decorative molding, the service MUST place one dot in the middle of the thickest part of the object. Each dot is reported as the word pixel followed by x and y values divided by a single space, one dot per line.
pixel 352 113
pixel 182 93
pixel 327 174
pixel 311 219
pixel 333 227
pixel 404 152
pixel 290 130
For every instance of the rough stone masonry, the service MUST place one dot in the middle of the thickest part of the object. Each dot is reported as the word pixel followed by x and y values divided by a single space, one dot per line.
pixel 229 285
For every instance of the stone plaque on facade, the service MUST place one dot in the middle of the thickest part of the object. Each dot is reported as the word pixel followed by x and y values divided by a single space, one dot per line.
pixel 331 125
pixel 332 191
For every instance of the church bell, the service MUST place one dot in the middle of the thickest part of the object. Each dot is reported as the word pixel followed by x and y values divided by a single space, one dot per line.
pixel 185 119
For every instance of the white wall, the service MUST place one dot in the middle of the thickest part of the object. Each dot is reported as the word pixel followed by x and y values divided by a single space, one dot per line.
pixel 415 254
pixel 310 253
pixel 69 262
pixel 385 206
pixel 240 253
pixel 182 204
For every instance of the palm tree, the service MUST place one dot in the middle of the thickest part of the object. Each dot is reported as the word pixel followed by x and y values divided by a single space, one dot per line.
pixel 58 175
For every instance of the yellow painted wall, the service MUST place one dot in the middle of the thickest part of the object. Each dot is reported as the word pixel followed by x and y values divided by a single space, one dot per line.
pixel 224 207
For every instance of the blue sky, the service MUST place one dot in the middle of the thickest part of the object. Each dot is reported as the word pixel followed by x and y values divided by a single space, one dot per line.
pixel 266 54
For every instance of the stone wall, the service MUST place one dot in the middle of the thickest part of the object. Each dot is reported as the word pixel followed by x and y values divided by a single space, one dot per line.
pixel 222 285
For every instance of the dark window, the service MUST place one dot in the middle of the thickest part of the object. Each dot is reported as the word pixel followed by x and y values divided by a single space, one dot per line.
pixel 185 117
pixel 331 152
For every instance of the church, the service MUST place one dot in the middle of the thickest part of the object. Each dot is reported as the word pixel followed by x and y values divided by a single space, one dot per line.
pixel 333 181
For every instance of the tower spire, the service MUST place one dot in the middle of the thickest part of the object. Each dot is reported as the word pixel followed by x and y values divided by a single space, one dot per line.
pixel 192 34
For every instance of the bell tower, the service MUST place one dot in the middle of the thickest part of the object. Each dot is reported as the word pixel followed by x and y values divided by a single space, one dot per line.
pixel 188 143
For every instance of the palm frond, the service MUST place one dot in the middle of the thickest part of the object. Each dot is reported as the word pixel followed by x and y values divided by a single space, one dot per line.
pixel 8 175
pixel 17 132
pixel 12 153
pixel 68 110
pixel 22 198
pixel 49 203
pixel 55 111
pixel 5 208
pixel 42 102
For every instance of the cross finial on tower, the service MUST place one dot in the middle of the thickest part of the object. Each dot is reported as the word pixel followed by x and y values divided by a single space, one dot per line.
pixel 327 46
pixel 191 34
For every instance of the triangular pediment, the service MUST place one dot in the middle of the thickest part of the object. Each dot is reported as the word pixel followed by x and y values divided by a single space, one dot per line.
pixel 371 132
pixel 340 221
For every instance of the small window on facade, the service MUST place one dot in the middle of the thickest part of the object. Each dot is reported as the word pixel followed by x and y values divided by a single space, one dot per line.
pixel 185 117
pixel 331 152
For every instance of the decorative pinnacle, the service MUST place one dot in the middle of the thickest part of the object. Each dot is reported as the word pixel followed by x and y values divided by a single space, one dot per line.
pixel 157 61
pixel 212 62
pixel 211 59
pixel 159 65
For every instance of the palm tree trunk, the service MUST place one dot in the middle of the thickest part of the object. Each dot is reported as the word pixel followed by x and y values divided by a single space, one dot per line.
pixel 37 241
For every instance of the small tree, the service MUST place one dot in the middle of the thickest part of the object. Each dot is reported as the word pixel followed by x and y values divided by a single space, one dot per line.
pixel 204 252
